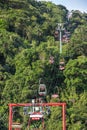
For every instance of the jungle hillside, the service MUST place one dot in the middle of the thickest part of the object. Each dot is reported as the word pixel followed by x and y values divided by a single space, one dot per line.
pixel 29 37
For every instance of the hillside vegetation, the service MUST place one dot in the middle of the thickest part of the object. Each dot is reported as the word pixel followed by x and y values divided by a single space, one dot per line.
pixel 27 41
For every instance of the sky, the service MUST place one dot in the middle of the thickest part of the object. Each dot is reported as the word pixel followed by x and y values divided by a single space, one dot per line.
pixel 80 5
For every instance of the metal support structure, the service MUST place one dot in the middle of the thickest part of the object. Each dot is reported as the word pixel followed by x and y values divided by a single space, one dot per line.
pixel 60 42
pixel 64 117
pixel 10 117
pixel 63 105
pixel 60 29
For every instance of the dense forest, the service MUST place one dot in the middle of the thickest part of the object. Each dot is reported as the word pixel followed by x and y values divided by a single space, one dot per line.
pixel 27 41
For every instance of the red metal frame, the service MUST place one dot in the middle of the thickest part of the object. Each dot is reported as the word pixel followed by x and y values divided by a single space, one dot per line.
pixel 63 105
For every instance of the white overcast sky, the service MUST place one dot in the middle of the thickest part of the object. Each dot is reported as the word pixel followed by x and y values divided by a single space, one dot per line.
pixel 71 4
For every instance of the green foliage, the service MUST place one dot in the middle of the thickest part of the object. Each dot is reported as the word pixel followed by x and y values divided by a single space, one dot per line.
pixel 75 73
pixel 55 121
pixel 26 44
pixel 78 43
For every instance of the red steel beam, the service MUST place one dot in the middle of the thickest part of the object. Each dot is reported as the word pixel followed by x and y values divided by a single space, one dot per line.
pixel 37 104
pixel 63 117
pixel 10 117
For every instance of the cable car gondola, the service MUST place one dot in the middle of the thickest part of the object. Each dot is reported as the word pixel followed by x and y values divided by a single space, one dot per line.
pixel 42 90
pixel 61 65
pixel 56 35
pixel 51 60
pixel 37 113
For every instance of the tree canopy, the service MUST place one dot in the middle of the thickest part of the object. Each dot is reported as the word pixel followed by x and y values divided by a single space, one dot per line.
pixel 27 42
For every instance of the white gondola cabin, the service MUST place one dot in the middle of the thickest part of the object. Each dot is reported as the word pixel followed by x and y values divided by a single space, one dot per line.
pixel 42 90
pixel 36 113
